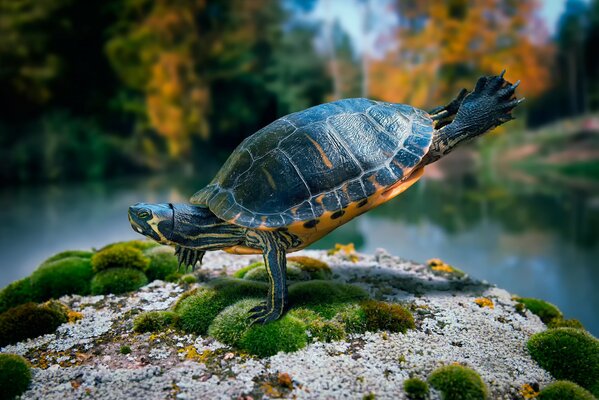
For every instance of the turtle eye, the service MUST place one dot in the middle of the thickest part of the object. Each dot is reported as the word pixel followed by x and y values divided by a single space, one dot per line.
pixel 143 214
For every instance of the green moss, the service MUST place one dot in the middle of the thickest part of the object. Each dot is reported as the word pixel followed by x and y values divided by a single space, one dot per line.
pixel 70 275
pixel 137 244
pixel 353 317
pixel 125 350
pixel 569 354
pixel 324 297
pixel 387 316
pixel 260 274
pixel 241 272
pixel 286 334
pixel 18 292
pixel 15 376
pixel 119 256
pixel 30 320
pixel 188 279
pixel 117 281
pixel 162 266
pixel 231 324
pixel 154 321
pixel 544 310
pixel 565 323
pixel 458 382
pixel 68 254
pixel 416 389
pixel 316 268
pixel 198 310
pixel 561 390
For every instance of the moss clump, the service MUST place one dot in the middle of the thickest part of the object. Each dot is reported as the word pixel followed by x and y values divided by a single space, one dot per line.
pixel 353 317
pixel 68 254
pixel 118 280
pixel 125 350
pixel 15 376
pixel 324 297
pixel 241 272
pixel 260 274
pixel 69 275
pixel 458 382
pixel 18 292
pixel 30 320
pixel 387 316
pixel 230 325
pixel 316 268
pixel 198 310
pixel 416 389
pixel 154 321
pixel 119 256
pixel 319 328
pixel 547 312
pixel 188 279
pixel 162 266
pixel 565 323
pixel 142 245
pixel 286 334
pixel 561 390
pixel 569 354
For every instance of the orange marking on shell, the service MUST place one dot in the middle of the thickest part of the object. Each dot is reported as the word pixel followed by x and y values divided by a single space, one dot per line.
pixel 323 155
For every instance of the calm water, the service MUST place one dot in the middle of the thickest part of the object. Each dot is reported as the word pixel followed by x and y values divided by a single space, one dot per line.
pixel 531 238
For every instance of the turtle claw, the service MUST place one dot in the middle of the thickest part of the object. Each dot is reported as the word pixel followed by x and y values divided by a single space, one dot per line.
pixel 263 314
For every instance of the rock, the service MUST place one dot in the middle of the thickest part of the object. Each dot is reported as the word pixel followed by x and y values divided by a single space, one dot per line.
pixel 450 328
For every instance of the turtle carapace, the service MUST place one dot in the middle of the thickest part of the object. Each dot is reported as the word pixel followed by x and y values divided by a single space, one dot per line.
pixel 307 173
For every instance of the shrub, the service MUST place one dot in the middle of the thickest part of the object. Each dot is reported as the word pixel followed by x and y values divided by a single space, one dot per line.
pixel 18 292
pixel 118 280
pixel 154 321
pixel 70 275
pixel 387 316
pixel 286 334
pixel 161 266
pixel 560 390
pixel 15 375
pixel 568 354
pixel 198 310
pixel 230 325
pixel 416 389
pixel 30 320
pixel 542 309
pixel 119 256
pixel 68 254
pixel 458 382
pixel 316 268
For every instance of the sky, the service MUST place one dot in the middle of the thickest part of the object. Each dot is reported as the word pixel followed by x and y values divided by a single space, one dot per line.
pixel 349 14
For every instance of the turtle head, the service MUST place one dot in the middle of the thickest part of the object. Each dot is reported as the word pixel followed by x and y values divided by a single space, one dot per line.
pixel 155 221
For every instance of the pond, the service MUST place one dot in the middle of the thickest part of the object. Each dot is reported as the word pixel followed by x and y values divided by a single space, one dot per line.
pixel 535 239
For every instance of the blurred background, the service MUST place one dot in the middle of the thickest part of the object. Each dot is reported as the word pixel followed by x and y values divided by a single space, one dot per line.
pixel 105 103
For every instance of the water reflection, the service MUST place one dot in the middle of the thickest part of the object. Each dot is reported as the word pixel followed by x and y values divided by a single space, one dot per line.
pixel 532 239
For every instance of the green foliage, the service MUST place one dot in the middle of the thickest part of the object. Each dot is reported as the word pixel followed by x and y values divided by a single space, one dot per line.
pixel 70 275
pixel 125 350
pixel 387 316
pixel 569 354
pixel 117 281
pixel 561 390
pixel 286 334
pixel 416 389
pixel 18 292
pixel 30 320
pixel 456 382
pixel 230 325
pixel 154 321
pixel 15 376
pixel 198 310
pixel 120 256
pixel 162 266
pixel 323 296
pixel 68 254
pixel 544 310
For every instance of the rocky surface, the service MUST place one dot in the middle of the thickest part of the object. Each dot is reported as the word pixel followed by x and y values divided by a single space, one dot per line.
pixel 458 320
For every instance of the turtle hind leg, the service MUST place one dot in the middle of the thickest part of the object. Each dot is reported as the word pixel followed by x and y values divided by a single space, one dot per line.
pixel 274 247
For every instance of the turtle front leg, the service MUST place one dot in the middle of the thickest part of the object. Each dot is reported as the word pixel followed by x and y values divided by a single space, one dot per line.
pixel 274 246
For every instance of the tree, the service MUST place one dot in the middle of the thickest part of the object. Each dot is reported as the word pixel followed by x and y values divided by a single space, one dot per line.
pixel 442 46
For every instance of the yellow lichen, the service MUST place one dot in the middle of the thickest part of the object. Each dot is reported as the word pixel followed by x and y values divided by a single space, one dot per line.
pixel 309 264
pixel 349 250
pixel 285 380
pixel 74 316
pixel 528 392
pixel 443 268
pixel 484 302
pixel 191 353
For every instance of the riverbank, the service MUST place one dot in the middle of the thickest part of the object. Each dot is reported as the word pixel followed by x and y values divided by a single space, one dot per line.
pixel 457 321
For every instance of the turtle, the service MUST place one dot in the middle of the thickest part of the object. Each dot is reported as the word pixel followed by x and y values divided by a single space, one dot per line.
pixel 309 172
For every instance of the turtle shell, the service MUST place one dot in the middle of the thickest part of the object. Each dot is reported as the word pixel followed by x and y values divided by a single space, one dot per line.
pixel 318 162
